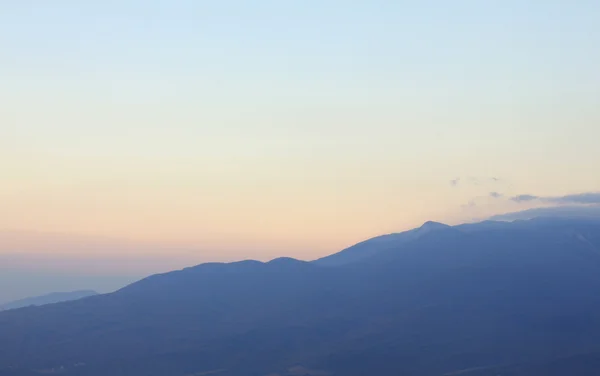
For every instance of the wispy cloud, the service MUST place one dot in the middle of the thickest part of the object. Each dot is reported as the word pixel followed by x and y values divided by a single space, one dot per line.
pixel 579 198
pixel 586 204
pixel 475 180
pixel 524 198
pixel 480 180
pixel 483 199
pixel 470 204
pixel 578 211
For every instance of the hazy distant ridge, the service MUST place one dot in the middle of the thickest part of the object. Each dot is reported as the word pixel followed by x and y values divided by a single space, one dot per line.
pixel 56 297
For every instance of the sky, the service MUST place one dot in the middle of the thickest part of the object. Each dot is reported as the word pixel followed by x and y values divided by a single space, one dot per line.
pixel 138 136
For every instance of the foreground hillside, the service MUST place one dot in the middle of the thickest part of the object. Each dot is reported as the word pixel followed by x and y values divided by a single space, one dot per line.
pixel 492 298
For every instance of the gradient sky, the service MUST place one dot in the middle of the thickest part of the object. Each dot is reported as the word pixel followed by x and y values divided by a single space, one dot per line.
pixel 216 130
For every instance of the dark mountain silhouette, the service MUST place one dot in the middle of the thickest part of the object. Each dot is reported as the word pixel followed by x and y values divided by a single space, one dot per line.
pixel 55 297
pixel 492 298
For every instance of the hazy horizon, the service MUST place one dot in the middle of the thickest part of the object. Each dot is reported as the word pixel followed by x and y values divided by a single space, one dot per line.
pixel 64 263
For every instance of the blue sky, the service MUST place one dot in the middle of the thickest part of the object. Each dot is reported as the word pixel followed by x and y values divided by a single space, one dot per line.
pixel 289 127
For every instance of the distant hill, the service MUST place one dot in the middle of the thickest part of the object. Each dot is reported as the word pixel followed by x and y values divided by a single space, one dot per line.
pixel 56 297
pixel 491 298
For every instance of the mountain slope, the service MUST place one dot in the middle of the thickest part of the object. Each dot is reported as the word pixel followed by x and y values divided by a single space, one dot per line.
pixel 463 300
pixel 379 244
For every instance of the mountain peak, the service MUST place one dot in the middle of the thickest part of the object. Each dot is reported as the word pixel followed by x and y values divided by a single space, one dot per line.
pixel 430 226
pixel 433 225
pixel 286 261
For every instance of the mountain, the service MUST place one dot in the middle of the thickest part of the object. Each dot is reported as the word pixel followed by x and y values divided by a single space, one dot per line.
pixel 492 298
pixel 56 297
pixel 378 244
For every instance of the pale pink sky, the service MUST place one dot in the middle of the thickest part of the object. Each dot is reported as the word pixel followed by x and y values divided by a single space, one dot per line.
pixel 198 131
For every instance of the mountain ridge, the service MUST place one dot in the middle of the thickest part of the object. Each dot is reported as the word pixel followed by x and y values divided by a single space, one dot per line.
pixel 379 244
pixel 489 297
